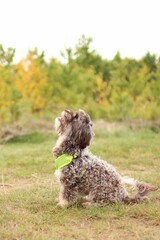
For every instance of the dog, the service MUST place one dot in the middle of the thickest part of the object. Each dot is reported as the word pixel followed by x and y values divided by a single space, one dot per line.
pixel 84 174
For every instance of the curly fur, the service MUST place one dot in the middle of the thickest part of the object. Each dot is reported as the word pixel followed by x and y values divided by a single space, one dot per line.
pixel 88 175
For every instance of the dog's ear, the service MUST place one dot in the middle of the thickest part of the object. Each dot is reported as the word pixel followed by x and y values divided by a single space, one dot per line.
pixel 81 111
pixel 75 115
pixel 84 138
pixel 68 114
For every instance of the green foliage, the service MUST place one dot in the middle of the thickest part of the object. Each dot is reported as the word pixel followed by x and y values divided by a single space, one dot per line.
pixel 117 89
pixel 9 94
pixel 6 56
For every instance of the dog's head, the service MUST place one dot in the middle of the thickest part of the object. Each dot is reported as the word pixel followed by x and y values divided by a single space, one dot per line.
pixel 75 126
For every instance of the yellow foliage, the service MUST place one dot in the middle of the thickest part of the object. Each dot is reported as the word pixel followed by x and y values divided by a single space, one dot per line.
pixel 32 82
pixel 101 91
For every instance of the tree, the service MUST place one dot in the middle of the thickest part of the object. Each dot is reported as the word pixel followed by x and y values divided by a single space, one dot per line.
pixel 6 56
pixel 88 58
pixel 32 81
pixel 150 61
pixel 9 94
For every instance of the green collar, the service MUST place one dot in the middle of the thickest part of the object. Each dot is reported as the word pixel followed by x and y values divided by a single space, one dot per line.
pixel 63 160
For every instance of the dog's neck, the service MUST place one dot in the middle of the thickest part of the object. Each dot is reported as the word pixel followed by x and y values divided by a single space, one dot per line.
pixel 65 145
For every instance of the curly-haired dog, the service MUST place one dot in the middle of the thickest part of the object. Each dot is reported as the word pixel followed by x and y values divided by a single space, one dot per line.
pixel 85 174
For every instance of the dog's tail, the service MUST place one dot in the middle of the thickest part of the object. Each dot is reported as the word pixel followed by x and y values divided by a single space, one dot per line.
pixel 143 190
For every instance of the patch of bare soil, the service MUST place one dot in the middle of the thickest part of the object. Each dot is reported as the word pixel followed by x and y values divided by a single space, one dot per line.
pixel 13 130
pixel 128 228
pixel 27 183
pixel 10 131
pixel 134 125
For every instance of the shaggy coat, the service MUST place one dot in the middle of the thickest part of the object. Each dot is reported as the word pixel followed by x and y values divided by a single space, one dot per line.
pixel 88 175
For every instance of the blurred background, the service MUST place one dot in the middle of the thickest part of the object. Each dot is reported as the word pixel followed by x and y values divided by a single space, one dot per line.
pixel 102 56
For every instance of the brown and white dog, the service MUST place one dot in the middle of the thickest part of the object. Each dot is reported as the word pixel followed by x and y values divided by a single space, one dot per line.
pixel 88 175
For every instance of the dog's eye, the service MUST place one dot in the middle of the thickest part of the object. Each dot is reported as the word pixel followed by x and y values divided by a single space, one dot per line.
pixel 75 117
pixel 82 120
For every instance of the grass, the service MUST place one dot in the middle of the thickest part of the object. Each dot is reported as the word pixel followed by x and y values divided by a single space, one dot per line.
pixel 28 190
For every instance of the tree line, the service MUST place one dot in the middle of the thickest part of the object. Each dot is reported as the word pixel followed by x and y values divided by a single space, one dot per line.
pixel 117 89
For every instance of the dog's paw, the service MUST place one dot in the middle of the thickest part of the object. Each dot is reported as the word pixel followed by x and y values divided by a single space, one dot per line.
pixel 63 204
pixel 89 204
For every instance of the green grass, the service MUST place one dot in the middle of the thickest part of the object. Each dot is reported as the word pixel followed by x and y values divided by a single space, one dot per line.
pixel 28 190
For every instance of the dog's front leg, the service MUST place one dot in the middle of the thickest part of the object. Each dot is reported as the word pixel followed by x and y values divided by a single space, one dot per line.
pixel 67 197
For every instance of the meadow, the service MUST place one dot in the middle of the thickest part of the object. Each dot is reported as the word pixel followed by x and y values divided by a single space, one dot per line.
pixel 28 189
